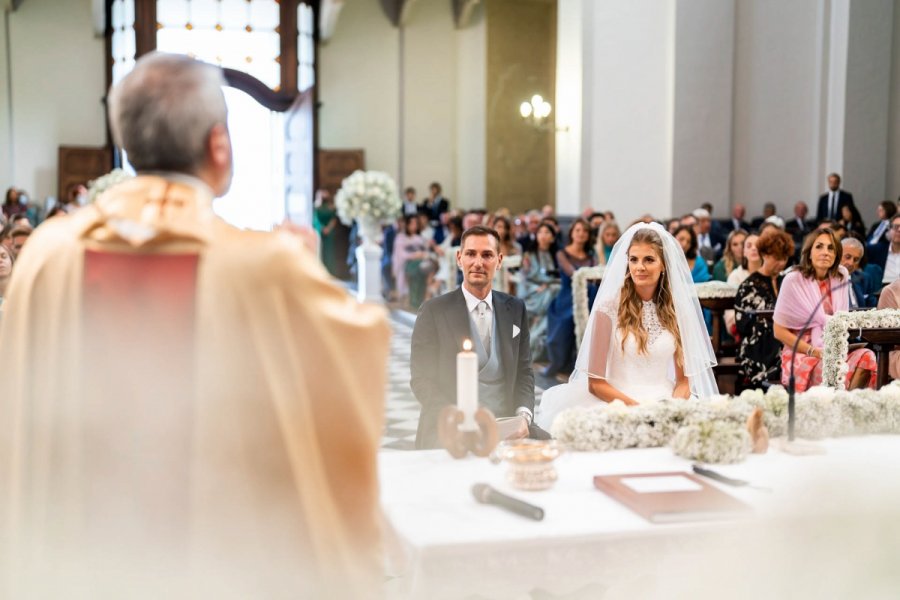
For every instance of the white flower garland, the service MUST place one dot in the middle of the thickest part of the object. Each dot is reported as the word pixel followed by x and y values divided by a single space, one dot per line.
pixel 837 331
pixel 821 412
pixel 368 194
pixel 581 311
pixel 104 182
pixel 715 289
pixel 712 442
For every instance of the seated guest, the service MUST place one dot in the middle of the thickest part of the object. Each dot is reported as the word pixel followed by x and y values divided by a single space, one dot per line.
pixel 709 242
pixel 508 245
pixel 699 271
pixel 891 258
pixel 497 325
pixel 851 220
pixel 890 298
pixel 539 285
pixel 818 278
pixel 412 266
pixel 877 239
pixel 607 237
pixel 732 257
pixel 750 262
pixel 528 239
pixel 14 204
pixel 852 256
pixel 878 231
pixel 749 265
pixel 797 225
pixel 560 317
pixel 757 355
pixel 768 211
pixel 738 212
pixel 688 241
pixel 17 238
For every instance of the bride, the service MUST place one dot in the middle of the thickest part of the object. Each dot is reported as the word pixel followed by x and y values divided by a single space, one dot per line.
pixel 645 340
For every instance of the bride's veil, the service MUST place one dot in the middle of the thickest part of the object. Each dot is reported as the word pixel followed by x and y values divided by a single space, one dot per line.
pixel 699 358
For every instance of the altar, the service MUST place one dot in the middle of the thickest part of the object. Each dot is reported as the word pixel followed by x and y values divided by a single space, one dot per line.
pixel 445 545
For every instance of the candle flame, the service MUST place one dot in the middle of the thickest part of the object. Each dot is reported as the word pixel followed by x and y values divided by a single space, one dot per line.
pixel 467 345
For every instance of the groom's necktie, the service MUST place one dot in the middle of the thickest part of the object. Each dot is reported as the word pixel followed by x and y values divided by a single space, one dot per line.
pixel 483 325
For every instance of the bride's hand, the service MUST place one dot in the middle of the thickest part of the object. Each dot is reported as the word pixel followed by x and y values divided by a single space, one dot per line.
pixel 682 390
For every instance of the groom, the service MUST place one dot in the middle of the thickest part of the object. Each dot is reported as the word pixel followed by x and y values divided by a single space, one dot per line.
pixel 497 324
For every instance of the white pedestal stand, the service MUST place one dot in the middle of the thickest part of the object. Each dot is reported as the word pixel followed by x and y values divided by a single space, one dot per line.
pixel 368 262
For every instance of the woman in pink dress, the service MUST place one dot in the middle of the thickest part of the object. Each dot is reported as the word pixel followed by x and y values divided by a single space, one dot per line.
pixel 819 277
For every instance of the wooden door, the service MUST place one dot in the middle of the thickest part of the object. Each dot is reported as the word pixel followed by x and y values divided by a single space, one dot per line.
pixel 77 165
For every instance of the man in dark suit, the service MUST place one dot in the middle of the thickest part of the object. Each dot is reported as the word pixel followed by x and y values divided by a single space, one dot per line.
pixel 769 210
pixel 798 226
pixel 709 244
pixel 496 323
pixel 830 203
pixel 738 212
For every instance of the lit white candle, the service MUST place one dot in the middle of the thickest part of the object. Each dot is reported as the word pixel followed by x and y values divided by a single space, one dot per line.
pixel 467 385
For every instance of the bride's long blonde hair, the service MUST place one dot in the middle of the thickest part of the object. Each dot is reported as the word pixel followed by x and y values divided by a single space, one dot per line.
pixel 630 304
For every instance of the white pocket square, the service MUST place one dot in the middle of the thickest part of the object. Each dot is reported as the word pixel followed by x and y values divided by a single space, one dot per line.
pixel 516 331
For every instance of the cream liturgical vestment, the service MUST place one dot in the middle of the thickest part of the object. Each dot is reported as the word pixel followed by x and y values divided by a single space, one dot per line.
pixel 217 439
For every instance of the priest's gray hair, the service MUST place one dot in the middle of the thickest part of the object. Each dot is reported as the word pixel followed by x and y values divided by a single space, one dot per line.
pixel 162 112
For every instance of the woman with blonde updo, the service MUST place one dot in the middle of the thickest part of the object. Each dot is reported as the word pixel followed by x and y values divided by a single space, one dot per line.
pixel 645 340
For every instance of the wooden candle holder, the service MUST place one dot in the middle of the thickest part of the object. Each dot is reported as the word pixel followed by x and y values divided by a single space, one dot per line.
pixel 459 442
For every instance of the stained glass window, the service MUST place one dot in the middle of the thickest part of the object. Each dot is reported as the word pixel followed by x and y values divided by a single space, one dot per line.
pixel 123 38
pixel 238 34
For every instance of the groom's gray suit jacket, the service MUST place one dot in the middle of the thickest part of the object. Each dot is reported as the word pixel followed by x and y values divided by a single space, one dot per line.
pixel 442 325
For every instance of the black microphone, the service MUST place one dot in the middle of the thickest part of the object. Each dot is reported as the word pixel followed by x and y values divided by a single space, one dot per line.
pixel 791 388
pixel 485 494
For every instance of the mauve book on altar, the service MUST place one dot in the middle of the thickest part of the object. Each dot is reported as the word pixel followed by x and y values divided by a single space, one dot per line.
pixel 673 497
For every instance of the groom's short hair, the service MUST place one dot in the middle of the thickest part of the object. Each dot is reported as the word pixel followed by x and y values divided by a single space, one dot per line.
pixel 480 230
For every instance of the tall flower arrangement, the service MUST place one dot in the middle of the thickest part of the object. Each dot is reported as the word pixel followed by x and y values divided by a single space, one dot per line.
pixel 370 194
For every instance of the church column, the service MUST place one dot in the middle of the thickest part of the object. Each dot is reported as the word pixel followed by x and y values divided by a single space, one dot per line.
pixel 865 88
pixel 572 30
pixel 627 107
pixel 702 111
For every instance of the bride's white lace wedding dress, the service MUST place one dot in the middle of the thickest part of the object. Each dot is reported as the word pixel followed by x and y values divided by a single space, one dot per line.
pixel 647 378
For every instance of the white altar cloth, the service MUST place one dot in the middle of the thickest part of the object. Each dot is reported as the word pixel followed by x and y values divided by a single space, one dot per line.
pixel 447 545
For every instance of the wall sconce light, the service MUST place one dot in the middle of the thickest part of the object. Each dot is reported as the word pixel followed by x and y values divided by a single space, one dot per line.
pixel 536 113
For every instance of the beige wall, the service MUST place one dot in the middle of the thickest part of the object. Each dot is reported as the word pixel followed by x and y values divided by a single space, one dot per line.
pixel 359 86
pixel 892 186
pixel 58 82
pixel 775 90
pixel 5 131
pixel 412 97
pixel 430 99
